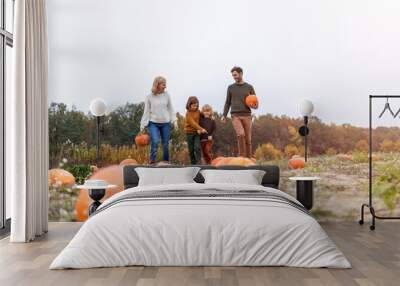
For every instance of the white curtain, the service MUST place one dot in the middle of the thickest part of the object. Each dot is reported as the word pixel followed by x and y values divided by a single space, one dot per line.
pixel 28 121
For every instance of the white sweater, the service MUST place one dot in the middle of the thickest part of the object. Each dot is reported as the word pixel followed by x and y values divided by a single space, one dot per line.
pixel 157 108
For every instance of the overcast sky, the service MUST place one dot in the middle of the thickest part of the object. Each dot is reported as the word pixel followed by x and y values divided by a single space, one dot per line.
pixel 334 53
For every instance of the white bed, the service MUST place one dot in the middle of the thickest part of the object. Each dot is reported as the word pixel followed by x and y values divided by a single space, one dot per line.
pixel 202 231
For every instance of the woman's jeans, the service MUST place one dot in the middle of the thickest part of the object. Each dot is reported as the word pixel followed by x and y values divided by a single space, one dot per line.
pixel 193 141
pixel 159 131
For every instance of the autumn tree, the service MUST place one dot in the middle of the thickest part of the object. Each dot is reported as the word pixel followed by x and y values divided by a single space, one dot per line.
pixel 121 125
pixel 362 146
pixel 387 145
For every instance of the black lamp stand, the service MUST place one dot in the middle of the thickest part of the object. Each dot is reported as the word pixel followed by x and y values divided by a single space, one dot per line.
pixel 98 140
pixel 96 195
pixel 304 131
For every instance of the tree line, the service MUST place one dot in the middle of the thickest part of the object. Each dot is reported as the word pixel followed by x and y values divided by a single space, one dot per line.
pixel 120 127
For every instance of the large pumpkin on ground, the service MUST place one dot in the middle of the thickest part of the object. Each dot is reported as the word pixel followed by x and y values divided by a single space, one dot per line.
pixel 233 161
pixel 142 140
pixel 216 160
pixel 296 162
pixel 252 101
pixel 60 178
pixel 112 175
pixel 128 161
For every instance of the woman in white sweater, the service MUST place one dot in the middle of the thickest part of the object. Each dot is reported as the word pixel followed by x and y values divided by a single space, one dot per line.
pixel 157 116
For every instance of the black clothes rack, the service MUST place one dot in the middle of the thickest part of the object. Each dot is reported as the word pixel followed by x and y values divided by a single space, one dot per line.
pixel 370 202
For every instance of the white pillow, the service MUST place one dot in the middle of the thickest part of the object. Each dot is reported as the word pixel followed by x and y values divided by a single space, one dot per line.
pixel 249 177
pixel 166 176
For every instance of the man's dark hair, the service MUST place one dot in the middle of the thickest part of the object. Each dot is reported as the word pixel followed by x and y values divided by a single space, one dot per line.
pixel 237 69
pixel 191 100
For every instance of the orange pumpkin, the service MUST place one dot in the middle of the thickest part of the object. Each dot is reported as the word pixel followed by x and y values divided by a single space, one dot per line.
pixel 128 161
pixel 142 140
pixel 296 162
pixel 252 101
pixel 215 161
pixel 60 178
pixel 112 175
pixel 234 161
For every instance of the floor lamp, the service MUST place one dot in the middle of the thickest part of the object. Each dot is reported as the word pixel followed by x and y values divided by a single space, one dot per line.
pixel 306 109
pixel 98 108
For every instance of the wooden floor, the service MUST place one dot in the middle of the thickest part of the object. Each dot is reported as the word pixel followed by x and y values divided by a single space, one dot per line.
pixel 375 257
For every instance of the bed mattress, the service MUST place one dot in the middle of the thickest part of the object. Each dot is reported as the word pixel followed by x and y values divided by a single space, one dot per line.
pixel 201 225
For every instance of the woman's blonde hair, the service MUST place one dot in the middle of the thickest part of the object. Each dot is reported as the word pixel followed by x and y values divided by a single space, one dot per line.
pixel 156 83
pixel 207 107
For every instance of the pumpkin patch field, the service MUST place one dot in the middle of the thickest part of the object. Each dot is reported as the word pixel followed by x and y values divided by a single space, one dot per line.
pixel 343 178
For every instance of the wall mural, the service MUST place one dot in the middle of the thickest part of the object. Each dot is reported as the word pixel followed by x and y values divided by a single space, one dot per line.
pixel 289 52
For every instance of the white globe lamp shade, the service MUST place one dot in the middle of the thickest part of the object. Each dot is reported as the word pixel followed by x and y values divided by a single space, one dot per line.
pixel 306 107
pixel 98 107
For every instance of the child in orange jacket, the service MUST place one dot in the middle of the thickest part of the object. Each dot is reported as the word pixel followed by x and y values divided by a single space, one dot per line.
pixel 193 130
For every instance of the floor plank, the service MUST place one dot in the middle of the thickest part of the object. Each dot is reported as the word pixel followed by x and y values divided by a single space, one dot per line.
pixel 375 257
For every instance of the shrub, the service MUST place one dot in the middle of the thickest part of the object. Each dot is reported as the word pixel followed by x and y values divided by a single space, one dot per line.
pixel 387 185
pixel 362 146
pixel 266 152
pixel 387 146
pixel 331 151
pixel 360 157
pixel 81 172
pixel 291 150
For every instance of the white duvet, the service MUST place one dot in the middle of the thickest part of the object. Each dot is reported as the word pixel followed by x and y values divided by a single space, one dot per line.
pixel 200 231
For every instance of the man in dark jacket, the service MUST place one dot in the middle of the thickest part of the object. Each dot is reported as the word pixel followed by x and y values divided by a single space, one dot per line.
pixel 240 112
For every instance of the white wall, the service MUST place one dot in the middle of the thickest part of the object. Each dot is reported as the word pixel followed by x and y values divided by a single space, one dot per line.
pixel 333 52
pixel 8 141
